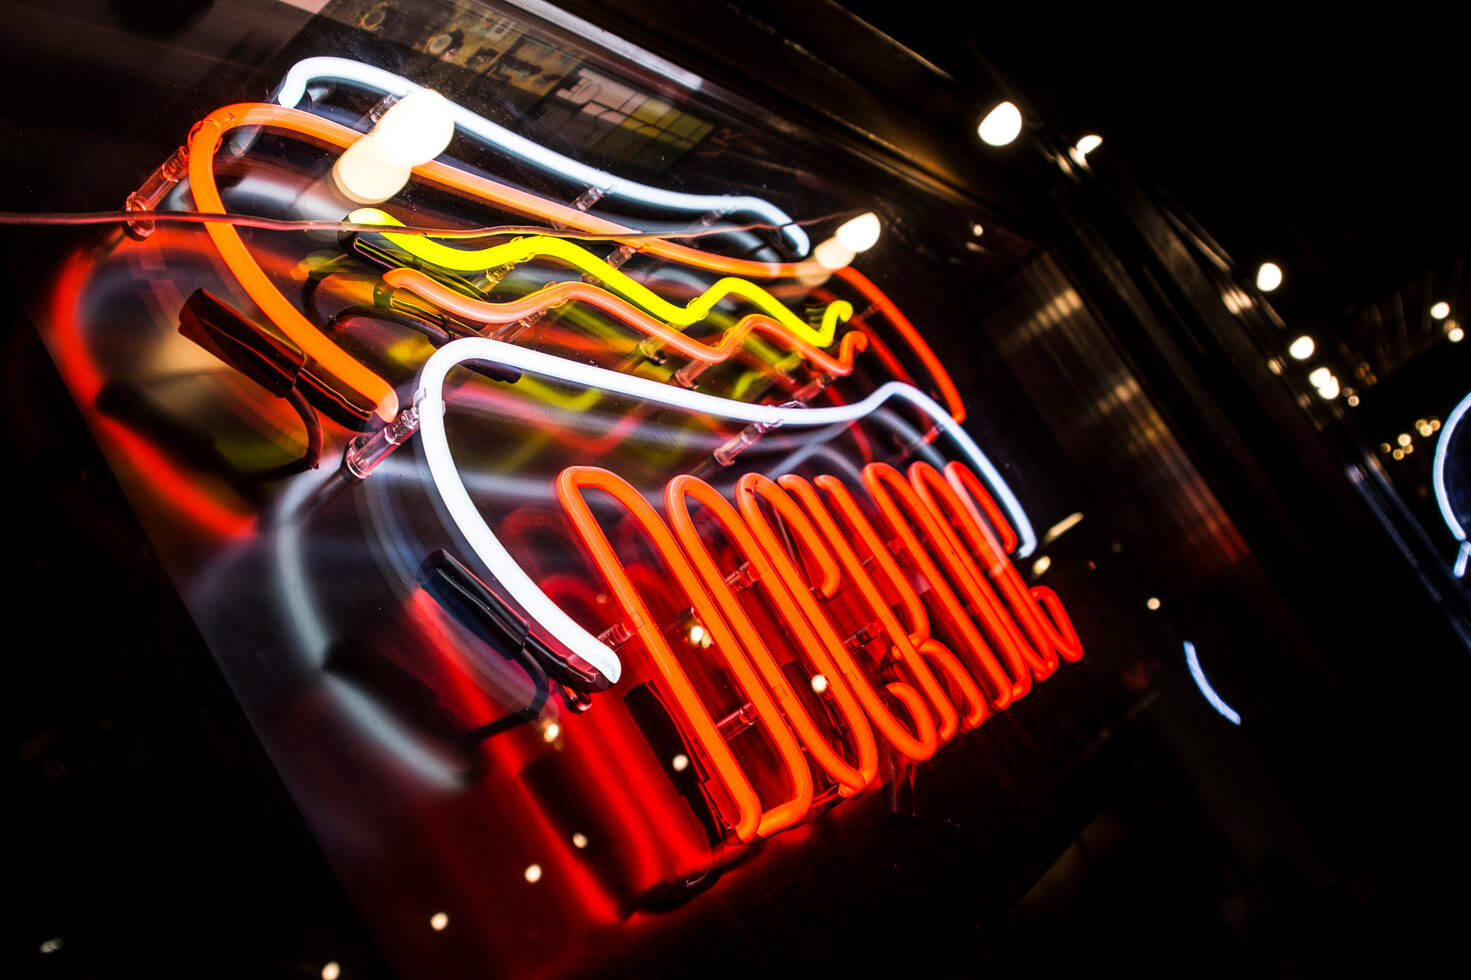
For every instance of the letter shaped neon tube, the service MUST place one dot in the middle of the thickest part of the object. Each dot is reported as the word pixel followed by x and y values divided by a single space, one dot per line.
pixel 429 402
pixel 293 89
pixel 1053 627
pixel 558 293
pixel 884 484
pixel 851 779
pixel 943 502
pixel 922 742
pixel 697 722
pixel 858 524
pixel 948 718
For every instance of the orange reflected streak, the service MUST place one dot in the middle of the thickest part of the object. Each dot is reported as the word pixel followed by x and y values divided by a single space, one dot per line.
pixel 918 746
pixel 884 484
pixel 850 780
pixel 929 485
pixel 697 719
pixel 949 718
pixel 1045 634
pixel 563 292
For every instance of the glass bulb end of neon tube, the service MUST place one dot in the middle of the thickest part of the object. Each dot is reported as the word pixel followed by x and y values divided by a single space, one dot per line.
pixel 365 452
pixel 861 233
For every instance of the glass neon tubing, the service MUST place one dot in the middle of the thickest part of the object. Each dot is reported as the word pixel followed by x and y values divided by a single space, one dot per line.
pixel 429 400
pixel 1442 498
pixel 1193 662
pixel 556 294
pixel 293 89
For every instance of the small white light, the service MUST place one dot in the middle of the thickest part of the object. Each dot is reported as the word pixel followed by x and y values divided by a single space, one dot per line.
pixel 1302 348
pixel 1454 335
pixel 438 921
pixel 579 841
pixel 680 762
pixel 697 633
pixel 533 873
pixel 1440 310
pixel 1329 389
pixel 978 230
pixel 417 128
pixel 51 945
pixel 1318 377
pixel 331 971
pixel 551 732
pixel 860 234
pixel 1086 145
pixel 831 254
pixel 819 683
pixel 1268 277
pixel 1041 565
pixel 1001 125
pixel 1153 604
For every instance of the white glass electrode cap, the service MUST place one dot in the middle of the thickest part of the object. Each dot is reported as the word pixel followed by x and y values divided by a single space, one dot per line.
pixel 859 234
pixel 417 128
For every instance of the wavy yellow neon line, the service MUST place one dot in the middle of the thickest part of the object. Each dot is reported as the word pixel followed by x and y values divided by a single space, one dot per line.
pixel 524 249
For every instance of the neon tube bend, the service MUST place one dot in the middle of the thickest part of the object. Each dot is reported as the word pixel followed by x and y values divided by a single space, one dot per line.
pixel 429 401
pixel 1438 479
pixel 293 89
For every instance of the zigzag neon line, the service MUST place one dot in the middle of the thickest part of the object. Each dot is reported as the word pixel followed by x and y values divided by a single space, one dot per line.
pixel 430 404
pixel 293 89
pixel 539 246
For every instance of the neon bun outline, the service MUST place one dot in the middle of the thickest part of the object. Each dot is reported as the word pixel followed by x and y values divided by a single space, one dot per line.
pixel 293 87
pixel 1438 479
pixel 430 405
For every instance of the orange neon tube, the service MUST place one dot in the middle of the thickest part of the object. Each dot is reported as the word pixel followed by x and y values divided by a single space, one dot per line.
pixel 563 292
pixel 940 498
pixel 677 494
pixel 752 819
pixel 904 650
pixel 1055 631
pixel 884 484
pixel 841 500
pixel 753 488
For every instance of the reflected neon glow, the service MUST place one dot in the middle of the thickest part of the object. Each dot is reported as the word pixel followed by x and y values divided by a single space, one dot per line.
pixel 293 88
pixel 1193 662
pixel 1442 498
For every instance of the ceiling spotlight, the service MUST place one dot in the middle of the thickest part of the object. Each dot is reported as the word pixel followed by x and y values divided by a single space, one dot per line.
pixel 1268 277
pixel 1440 310
pixel 1302 348
pixel 860 234
pixel 1001 125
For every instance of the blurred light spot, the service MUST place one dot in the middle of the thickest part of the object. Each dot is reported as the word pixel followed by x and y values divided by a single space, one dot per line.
pixel 1153 603
pixel 1384 447
pixel 1274 365
pixel 417 128
pixel 1085 146
pixel 331 971
pixel 1398 454
pixel 51 945
pixel 1001 125
pixel 1193 662
pixel 819 683
pixel 1329 389
pixel 1454 335
pixel 438 921
pixel 1423 427
pixel 1041 565
pixel 1409 449
pixel 1440 310
pixel 579 841
pixel 1302 348
pixel 1403 439
pixel 1353 401
pixel 367 173
pixel 680 762
pixel 1268 276
pixel 978 230
pixel 697 633
pixel 831 254
pixel 551 732
pixel 1062 527
pixel 860 234
pixel 533 873
pixel 1434 425
pixel 1318 377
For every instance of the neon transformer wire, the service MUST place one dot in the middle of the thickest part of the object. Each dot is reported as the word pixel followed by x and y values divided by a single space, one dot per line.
pixel 430 406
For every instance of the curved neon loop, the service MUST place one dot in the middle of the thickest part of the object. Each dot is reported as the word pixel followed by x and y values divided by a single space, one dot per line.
pixel 1193 662
pixel 293 89
pixel 429 401
pixel 1442 498
pixel 525 249
pixel 556 294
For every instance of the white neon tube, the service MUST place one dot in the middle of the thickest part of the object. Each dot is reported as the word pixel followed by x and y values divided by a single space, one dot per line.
pixel 293 89
pixel 1438 478
pixel 430 405
pixel 1193 662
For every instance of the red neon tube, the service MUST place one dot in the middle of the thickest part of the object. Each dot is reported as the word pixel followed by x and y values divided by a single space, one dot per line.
pixel 697 723
pixel 677 495
pixel 753 488
pixel 884 485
